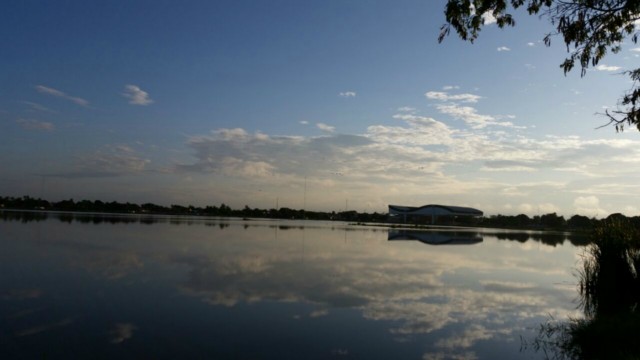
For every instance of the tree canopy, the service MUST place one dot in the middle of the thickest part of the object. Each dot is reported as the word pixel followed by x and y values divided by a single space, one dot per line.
pixel 589 28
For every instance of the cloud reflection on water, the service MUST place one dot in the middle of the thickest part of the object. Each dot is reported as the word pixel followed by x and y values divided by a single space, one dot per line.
pixel 405 285
pixel 122 332
pixel 21 294
pixel 44 327
pixel 450 298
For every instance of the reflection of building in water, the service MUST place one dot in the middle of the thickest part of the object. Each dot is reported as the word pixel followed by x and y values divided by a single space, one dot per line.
pixel 441 214
pixel 436 237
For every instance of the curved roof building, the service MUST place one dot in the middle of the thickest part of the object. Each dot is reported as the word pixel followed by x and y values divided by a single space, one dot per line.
pixel 433 211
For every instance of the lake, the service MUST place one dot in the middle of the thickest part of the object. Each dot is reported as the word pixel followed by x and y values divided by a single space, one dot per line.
pixel 131 287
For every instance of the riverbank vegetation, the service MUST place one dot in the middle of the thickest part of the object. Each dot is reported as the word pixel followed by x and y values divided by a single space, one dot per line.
pixel 551 221
pixel 223 210
pixel 609 288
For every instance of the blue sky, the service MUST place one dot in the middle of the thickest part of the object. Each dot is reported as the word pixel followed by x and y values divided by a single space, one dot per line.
pixel 251 102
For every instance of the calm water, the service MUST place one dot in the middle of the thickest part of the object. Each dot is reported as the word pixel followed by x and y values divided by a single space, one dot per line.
pixel 128 287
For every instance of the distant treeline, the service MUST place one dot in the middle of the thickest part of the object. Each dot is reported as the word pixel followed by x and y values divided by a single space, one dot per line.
pixel 551 221
pixel 29 203
pixel 522 221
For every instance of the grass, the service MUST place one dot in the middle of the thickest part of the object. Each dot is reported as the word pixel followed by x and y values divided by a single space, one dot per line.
pixel 609 287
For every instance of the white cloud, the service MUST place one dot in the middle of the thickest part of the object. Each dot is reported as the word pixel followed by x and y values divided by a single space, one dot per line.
pixel 325 127
pixel 531 44
pixel 546 208
pixel 57 93
pixel 246 168
pixel 516 168
pixel 406 109
pixel 262 137
pixel 635 49
pixel 37 107
pixel 304 122
pixel 503 48
pixel 136 95
pixel 444 96
pixel 467 113
pixel 30 124
pixel 425 131
pixel 470 116
pixel 450 87
pixel 418 149
pixel 110 161
pixel 348 94
pixel 603 67
pixel 588 206
pixel 526 208
pixel 488 18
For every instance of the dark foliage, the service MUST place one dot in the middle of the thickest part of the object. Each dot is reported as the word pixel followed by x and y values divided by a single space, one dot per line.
pixel 589 28
pixel 28 203
pixel 609 288
pixel 551 221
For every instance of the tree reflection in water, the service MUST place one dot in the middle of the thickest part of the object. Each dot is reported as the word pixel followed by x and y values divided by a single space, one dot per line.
pixel 609 287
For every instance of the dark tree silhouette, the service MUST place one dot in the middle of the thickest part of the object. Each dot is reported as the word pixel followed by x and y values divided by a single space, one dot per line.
pixel 609 288
pixel 589 28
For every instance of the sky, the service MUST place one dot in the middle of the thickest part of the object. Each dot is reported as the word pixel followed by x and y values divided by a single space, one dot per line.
pixel 322 105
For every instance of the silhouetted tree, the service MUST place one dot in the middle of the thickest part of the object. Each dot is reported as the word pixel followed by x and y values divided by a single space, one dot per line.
pixel 579 222
pixel 225 210
pixel 66 205
pixel 589 29
pixel 609 287
pixel 552 220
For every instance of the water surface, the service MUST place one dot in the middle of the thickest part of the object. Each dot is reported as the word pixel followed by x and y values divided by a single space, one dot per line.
pixel 78 286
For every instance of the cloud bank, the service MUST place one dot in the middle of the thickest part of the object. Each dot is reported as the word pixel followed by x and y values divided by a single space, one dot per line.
pixel 482 160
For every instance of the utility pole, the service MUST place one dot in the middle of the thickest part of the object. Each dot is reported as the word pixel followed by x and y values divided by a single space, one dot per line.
pixel 304 200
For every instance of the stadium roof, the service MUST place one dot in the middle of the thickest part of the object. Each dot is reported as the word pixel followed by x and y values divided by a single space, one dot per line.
pixel 433 209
